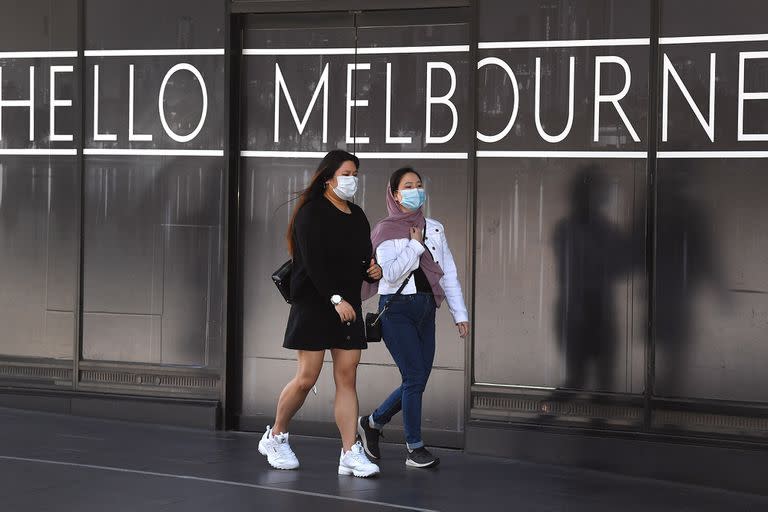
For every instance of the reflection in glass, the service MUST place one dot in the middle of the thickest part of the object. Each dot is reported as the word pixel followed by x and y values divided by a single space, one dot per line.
pixel 687 266
pixel 593 256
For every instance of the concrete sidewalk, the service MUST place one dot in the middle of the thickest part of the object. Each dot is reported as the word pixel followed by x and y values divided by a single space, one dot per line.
pixel 62 463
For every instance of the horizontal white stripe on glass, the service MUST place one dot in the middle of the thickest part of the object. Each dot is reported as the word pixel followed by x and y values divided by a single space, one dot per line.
pixel 414 49
pixel 283 154
pixel 39 151
pixel 38 55
pixel 299 51
pixel 360 154
pixel 385 155
pixel 562 154
pixel 713 154
pixel 412 156
pixel 156 53
pixel 153 152
pixel 360 51
pixel 734 38
pixel 639 41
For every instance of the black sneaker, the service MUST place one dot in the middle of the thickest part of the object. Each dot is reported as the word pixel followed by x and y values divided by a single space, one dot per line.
pixel 369 437
pixel 421 458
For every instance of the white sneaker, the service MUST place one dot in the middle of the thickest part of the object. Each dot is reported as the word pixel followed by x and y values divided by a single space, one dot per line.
pixel 277 450
pixel 355 462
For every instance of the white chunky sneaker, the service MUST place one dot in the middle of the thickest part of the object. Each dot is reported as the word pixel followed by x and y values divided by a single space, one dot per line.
pixel 355 462
pixel 277 450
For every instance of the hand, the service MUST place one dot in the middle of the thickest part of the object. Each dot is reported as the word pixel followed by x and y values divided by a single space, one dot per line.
pixel 374 271
pixel 346 311
pixel 463 329
pixel 417 234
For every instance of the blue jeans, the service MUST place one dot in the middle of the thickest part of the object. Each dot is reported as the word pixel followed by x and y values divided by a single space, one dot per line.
pixel 408 329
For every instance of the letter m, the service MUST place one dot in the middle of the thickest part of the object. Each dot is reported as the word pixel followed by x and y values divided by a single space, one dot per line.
pixel 301 124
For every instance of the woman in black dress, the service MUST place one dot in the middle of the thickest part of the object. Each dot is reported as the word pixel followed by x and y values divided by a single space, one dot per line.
pixel 329 240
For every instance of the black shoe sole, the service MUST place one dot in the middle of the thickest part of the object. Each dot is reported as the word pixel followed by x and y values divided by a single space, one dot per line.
pixel 364 439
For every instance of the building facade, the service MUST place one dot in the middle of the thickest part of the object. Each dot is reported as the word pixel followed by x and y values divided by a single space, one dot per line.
pixel 597 164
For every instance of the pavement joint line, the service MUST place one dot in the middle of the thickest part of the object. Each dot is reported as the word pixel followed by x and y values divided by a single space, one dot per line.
pixel 213 481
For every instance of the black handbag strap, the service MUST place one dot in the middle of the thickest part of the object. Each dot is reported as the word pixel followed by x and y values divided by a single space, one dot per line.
pixel 398 292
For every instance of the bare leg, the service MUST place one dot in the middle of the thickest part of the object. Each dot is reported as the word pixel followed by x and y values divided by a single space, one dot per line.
pixel 295 392
pixel 346 406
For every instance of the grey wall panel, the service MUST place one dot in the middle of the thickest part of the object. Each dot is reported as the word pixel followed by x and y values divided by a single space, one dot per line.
pixel 62 233
pixel 37 25
pixel 560 262
pixel 537 20
pixel 115 199
pixel 154 238
pixel 38 230
pixel 142 24
pixel 711 280
pixel 711 17
pixel 153 247
pixel 191 286
pixel 39 226
pixel 132 338
pixel 59 326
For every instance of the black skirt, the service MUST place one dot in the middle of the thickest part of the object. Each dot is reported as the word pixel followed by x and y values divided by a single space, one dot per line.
pixel 315 325
pixel 332 251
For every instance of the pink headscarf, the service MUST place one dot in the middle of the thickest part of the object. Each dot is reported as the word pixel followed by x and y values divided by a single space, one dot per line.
pixel 398 225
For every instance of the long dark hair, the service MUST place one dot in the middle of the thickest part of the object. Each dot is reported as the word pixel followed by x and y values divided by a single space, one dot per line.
pixel 397 177
pixel 325 171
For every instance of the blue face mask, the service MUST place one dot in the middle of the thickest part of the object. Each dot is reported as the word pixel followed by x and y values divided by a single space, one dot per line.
pixel 413 198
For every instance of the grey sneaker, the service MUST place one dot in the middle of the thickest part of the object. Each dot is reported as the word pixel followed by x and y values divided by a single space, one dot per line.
pixel 369 437
pixel 421 458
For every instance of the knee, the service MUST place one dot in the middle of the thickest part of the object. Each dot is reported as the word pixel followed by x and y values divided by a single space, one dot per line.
pixel 416 382
pixel 305 382
pixel 345 377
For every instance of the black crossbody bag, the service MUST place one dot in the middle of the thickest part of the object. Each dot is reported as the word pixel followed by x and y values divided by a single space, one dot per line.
pixel 372 323
pixel 282 279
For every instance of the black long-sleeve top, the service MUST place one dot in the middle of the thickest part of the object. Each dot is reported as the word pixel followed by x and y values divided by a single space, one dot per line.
pixel 332 253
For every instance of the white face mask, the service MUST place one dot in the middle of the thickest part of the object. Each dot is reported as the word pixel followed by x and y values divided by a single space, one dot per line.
pixel 346 187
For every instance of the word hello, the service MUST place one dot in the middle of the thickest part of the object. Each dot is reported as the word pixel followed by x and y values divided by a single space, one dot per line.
pixel 55 103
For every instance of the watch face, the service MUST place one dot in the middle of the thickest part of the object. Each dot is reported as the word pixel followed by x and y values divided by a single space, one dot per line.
pixel 336 300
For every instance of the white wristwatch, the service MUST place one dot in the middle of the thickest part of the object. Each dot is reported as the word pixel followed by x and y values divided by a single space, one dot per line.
pixel 336 300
